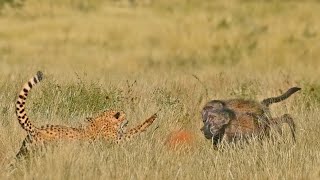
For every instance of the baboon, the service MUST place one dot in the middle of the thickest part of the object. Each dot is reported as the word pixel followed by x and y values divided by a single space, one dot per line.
pixel 234 119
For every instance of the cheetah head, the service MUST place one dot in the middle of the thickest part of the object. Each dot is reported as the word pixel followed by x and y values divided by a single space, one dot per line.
pixel 115 118
pixel 110 120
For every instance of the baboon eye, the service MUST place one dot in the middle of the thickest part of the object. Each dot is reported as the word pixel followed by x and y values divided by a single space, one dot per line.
pixel 117 115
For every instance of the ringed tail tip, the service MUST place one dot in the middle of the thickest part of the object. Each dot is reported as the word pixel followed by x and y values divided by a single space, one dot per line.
pixel 39 75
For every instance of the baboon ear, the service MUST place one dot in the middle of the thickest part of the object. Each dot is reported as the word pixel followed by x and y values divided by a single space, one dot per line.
pixel 117 115
pixel 217 106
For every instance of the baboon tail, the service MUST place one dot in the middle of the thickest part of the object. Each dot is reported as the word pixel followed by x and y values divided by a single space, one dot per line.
pixel 282 97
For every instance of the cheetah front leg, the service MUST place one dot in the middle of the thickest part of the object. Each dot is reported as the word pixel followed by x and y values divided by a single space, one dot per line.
pixel 124 136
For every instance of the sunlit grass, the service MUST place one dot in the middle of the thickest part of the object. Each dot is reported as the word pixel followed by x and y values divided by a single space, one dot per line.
pixel 143 56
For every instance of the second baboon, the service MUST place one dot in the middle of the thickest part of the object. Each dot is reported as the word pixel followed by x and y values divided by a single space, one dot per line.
pixel 234 119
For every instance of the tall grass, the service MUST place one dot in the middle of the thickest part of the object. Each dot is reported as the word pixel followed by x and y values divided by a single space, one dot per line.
pixel 139 56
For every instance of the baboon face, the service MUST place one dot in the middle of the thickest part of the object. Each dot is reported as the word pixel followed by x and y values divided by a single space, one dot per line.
pixel 215 120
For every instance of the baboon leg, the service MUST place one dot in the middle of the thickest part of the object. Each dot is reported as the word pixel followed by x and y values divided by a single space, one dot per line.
pixel 286 118
pixel 289 120
pixel 276 124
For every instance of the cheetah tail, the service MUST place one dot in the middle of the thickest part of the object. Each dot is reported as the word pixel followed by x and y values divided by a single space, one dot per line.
pixel 282 97
pixel 138 129
pixel 20 104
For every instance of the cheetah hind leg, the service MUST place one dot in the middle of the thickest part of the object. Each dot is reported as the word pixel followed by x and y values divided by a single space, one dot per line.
pixel 25 148
pixel 23 154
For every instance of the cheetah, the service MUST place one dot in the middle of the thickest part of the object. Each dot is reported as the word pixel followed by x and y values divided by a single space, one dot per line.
pixel 234 119
pixel 108 125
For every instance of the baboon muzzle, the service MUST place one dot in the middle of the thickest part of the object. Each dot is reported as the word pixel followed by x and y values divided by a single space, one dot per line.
pixel 206 130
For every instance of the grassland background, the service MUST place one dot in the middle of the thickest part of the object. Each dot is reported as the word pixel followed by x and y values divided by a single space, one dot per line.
pixel 142 55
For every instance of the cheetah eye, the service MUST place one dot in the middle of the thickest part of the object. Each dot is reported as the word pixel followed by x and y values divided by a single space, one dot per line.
pixel 117 115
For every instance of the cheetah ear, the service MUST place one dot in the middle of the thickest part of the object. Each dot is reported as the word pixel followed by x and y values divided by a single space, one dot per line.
pixel 117 115
pixel 89 119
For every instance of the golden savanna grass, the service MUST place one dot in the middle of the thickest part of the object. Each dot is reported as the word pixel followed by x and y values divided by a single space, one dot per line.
pixel 139 56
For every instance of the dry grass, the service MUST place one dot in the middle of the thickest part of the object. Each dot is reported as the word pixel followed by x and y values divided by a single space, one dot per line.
pixel 89 50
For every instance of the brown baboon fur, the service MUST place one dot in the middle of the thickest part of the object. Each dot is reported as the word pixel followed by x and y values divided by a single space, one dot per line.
pixel 234 119
pixel 247 125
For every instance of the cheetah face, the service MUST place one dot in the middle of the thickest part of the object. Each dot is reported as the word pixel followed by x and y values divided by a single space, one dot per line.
pixel 117 118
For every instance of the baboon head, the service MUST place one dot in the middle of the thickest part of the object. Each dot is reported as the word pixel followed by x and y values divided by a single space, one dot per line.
pixel 215 120
pixel 214 105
